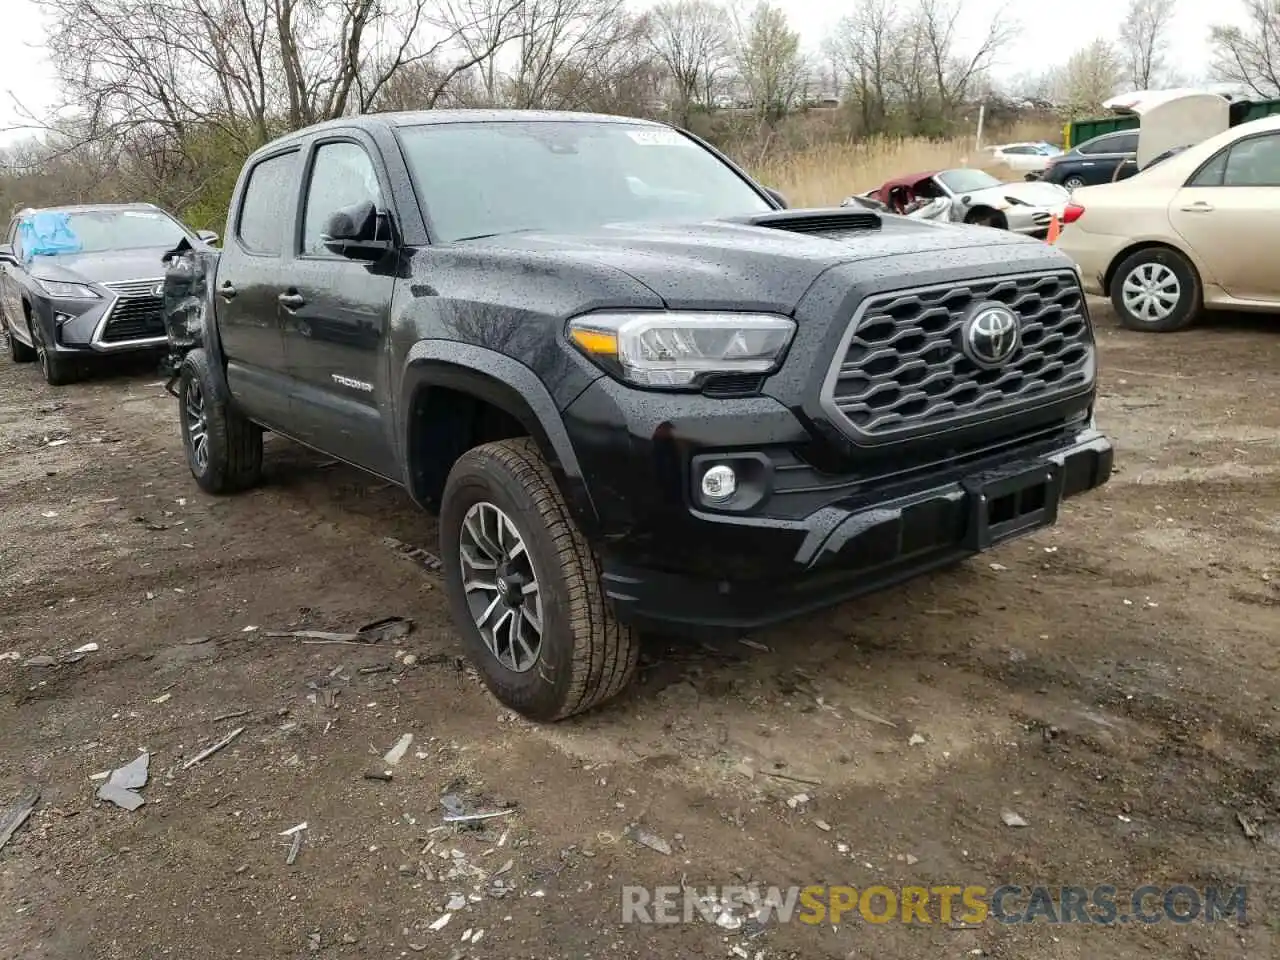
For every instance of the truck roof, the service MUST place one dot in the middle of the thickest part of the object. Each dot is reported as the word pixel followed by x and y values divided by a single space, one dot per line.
pixel 418 118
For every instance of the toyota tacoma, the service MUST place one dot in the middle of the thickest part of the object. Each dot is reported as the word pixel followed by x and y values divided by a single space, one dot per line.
pixel 637 389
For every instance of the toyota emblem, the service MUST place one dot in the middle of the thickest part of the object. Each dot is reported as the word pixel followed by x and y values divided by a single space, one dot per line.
pixel 991 335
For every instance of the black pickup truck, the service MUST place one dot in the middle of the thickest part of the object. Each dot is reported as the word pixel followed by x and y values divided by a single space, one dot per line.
pixel 636 388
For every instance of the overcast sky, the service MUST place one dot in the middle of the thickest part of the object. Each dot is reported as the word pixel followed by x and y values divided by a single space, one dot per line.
pixel 1049 33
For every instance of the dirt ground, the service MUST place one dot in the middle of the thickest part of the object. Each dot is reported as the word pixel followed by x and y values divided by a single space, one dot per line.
pixel 1114 682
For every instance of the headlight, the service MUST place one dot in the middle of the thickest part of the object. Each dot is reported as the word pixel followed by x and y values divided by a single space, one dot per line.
pixel 68 291
pixel 680 350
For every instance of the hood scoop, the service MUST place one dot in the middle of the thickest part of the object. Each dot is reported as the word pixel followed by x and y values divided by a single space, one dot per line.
pixel 817 221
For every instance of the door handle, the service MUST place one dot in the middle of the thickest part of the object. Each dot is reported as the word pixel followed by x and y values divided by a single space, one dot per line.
pixel 227 291
pixel 291 300
pixel 1198 207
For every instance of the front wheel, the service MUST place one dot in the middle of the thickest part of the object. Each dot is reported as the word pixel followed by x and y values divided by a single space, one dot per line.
pixel 1073 183
pixel 58 371
pixel 19 352
pixel 224 450
pixel 525 587
pixel 1156 290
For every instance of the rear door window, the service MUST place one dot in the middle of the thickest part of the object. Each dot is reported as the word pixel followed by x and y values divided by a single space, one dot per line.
pixel 264 209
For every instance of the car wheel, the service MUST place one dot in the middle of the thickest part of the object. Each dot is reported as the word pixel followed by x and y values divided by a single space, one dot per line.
pixel 224 450
pixel 1073 182
pixel 58 371
pixel 525 587
pixel 1156 290
pixel 986 217
pixel 19 352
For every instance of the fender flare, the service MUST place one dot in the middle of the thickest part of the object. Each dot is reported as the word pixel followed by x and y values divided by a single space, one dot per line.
pixel 508 385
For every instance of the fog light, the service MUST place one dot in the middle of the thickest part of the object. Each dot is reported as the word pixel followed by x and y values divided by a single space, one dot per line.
pixel 61 318
pixel 719 483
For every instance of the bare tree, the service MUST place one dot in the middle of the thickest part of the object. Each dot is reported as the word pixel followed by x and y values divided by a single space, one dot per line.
pixel 1250 55
pixel 558 42
pixel 953 72
pixel 691 40
pixel 1089 77
pixel 864 46
pixel 769 59
pixel 1144 41
pixel 249 63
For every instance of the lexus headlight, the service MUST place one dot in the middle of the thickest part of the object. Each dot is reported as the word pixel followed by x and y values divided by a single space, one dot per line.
pixel 680 350
pixel 68 291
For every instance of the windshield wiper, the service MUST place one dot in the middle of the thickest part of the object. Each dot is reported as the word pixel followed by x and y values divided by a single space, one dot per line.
pixel 497 233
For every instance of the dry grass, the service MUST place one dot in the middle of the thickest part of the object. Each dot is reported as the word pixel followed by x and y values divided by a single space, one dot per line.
pixel 825 174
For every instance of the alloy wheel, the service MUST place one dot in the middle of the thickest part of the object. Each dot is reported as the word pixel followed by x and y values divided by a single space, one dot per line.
pixel 501 587
pixel 197 427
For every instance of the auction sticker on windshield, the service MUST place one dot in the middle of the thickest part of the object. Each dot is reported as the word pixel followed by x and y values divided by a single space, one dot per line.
pixel 658 138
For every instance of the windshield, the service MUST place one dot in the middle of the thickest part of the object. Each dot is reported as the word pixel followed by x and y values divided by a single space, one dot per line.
pixel 480 179
pixel 966 181
pixel 97 231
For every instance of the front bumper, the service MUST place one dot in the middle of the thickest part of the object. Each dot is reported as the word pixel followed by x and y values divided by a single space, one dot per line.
pixel 859 545
pixel 117 323
pixel 1031 221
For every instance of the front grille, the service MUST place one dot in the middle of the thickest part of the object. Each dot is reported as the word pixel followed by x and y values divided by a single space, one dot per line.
pixel 134 318
pixel 136 288
pixel 901 370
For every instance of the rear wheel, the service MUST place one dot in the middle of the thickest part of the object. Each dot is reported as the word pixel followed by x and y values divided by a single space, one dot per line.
pixel 525 587
pixel 224 450
pixel 1073 182
pixel 1156 290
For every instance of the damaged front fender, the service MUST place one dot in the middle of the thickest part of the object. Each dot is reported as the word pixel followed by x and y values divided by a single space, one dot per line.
pixel 188 301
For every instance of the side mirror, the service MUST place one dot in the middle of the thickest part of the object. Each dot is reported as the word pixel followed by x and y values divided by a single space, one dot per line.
pixel 208 236
pixel 778 198
pixel 6 253
pixel 353 232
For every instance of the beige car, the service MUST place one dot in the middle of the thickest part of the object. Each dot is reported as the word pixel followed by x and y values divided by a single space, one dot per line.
pixel 1197 230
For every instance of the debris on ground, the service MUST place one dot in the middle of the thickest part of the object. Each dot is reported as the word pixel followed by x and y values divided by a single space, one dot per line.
pixel 380 631
pixel 1012 819
pixel 870 717
pixel 396 753
pixel 124 782
pixel 18 813
pixel 295 847
pixel 456 810
pixel 210 751
pixel 424 558
pixel 915 740
pixel 648 839
pixel 1248 826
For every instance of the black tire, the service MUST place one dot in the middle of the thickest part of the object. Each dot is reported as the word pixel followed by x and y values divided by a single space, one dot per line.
pixel 1189 302
pixel 230 458
pixel 986 217
pixel 58 371
pixel 585 656
pixel 1073 182
pixel 19 352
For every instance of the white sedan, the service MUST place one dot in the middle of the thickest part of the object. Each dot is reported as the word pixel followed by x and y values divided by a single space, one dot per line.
pixel 1024 157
